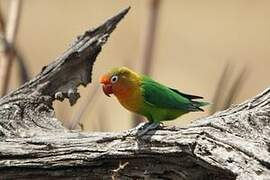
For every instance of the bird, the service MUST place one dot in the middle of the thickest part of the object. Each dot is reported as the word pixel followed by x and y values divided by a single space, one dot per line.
pixel 140 94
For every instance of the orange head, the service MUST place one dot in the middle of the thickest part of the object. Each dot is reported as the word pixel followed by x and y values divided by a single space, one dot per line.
pixel 120 81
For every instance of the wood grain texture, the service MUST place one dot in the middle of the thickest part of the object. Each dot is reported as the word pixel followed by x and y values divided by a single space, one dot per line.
pixel 28 110
pixel 232 144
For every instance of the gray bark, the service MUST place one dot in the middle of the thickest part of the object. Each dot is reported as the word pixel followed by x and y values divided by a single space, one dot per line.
pixel 232 144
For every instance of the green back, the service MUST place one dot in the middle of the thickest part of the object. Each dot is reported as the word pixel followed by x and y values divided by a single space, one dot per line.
pixel 161 96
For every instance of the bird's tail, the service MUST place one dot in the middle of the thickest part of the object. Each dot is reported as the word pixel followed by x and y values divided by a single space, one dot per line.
pixel 199 104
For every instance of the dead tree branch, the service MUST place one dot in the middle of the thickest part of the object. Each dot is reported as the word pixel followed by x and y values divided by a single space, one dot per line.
pixel 232 144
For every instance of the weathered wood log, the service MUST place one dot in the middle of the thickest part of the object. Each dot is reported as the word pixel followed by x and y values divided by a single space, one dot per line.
pixel 232 144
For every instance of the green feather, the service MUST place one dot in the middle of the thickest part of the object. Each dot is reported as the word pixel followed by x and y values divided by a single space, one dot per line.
pixel 163 103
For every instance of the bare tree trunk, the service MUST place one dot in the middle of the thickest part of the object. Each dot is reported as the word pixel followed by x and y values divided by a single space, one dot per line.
pixel 232 144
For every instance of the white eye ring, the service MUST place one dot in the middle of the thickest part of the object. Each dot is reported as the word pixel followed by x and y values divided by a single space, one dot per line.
pixel 114 79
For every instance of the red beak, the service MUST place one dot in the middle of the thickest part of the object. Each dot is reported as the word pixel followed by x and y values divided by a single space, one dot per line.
pixel 107 87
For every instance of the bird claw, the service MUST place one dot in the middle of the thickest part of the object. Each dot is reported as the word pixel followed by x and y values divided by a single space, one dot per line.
pixel 137 128
pixel 142 125
pixel 143 128
pixel 147 127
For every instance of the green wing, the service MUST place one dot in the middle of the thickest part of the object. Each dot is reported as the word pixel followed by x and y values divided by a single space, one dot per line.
pixel 161 96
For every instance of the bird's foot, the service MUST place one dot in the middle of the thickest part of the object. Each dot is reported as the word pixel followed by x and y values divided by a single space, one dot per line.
pixel 142 125
pixel 147 127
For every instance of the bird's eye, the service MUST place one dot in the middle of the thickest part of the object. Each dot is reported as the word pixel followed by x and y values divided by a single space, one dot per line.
pixel 114 79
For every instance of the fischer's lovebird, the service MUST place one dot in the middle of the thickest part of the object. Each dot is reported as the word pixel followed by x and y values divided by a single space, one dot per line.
pixel 141 94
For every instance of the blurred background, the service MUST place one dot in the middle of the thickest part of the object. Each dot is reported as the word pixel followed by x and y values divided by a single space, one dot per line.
pixel 217 49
